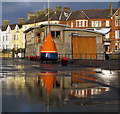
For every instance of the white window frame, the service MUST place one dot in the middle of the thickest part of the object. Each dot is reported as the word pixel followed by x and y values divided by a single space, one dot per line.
pixel 80 23
pixel 86 23
pixel 71 24
pixel 117 34
pixel 96 23
pixel 107 24
pixel 76 24
pixel 93 24
pixel 107 35
pixel 116 22
pixel 100 23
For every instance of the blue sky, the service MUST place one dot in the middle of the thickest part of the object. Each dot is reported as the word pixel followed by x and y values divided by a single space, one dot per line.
pixel 14 10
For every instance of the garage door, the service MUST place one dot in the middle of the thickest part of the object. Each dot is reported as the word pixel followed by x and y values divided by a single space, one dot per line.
pixel 84 47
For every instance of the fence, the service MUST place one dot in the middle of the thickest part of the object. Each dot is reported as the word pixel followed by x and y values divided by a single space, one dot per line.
pixel 108 61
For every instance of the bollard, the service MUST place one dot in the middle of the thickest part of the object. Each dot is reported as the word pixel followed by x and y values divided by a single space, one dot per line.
pixel 64 61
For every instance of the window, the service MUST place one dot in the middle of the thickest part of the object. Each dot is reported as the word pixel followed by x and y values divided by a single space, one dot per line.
pixel 3 38
pixel 96 23
pixel 38 35
pixel 86 22
pixel 117 34
pixel 92 23
pixel 6 37
pixel 99 23
pixel 76 23
pixel 119 22
pixel 107 35
pixel 80 23
pixel 115 46
pixel 17 37
pixel 119 46
pixel 116 22
pixel 55 34
pixel 72 24
pixel 107 23
pixel 14 37
pixel 17 46
pixel 14 45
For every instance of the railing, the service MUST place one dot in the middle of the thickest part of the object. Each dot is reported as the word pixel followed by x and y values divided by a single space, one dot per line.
pixel 108 61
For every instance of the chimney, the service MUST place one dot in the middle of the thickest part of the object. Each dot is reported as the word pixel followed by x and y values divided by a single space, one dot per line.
pixel 111 9
pixel 50 10
pixel 39 12
pixel 21 20
pixel 6 22
pixel 31 15
pixel 66 9
pixel 58 9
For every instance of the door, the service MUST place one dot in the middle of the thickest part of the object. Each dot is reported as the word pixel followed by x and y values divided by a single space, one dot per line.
pixel 84 47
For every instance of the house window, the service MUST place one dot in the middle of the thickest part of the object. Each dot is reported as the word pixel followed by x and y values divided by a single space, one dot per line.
pixel 38 35
pixel 72 24
pixel 116 46
pixel 14 37
pixel 6 46
pixel 86 23
pixel 80 23
pixel 99 23
pixel 107 35
pixel 107 23
pixel 92 23
pixel 119 22
pixel 116 22
pixel 76 23
pixel 17 46
pixel 14 45
pixel 96 23
pixel 3 38
pixel 119 47
pixel 6 37
pixel 17 36
pixel 55 34
pixel 117 34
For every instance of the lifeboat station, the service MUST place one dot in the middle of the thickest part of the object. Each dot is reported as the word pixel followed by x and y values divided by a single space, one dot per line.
pixel 67 40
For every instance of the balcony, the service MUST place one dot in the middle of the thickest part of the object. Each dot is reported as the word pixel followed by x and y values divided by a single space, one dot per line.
pixel 106 39
pixel 37 40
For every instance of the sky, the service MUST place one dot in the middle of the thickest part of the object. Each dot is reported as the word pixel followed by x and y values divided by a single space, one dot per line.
pixel 14 10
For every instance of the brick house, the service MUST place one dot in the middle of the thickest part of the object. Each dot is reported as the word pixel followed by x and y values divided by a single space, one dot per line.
pixel 100 20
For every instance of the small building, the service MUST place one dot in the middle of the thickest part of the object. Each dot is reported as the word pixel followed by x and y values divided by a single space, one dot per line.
pixel 68 40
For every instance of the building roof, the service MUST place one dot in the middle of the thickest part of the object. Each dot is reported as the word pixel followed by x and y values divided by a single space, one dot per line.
pixel 91 14
pixel 61 16
pixel 12 26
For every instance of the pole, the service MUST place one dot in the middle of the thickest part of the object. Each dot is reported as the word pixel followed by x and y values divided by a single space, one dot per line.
pixel 48 18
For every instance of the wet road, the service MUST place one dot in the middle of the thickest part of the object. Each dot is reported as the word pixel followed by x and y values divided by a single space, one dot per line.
pixel 29 86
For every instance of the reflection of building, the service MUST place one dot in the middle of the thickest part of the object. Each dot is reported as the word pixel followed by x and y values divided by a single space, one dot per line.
pixel 60 89
pixel 85 92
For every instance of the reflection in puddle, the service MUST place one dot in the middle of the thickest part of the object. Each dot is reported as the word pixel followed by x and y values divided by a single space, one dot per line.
pixel 52 90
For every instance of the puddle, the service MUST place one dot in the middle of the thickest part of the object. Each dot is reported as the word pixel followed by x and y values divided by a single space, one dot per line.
pixel 59 90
